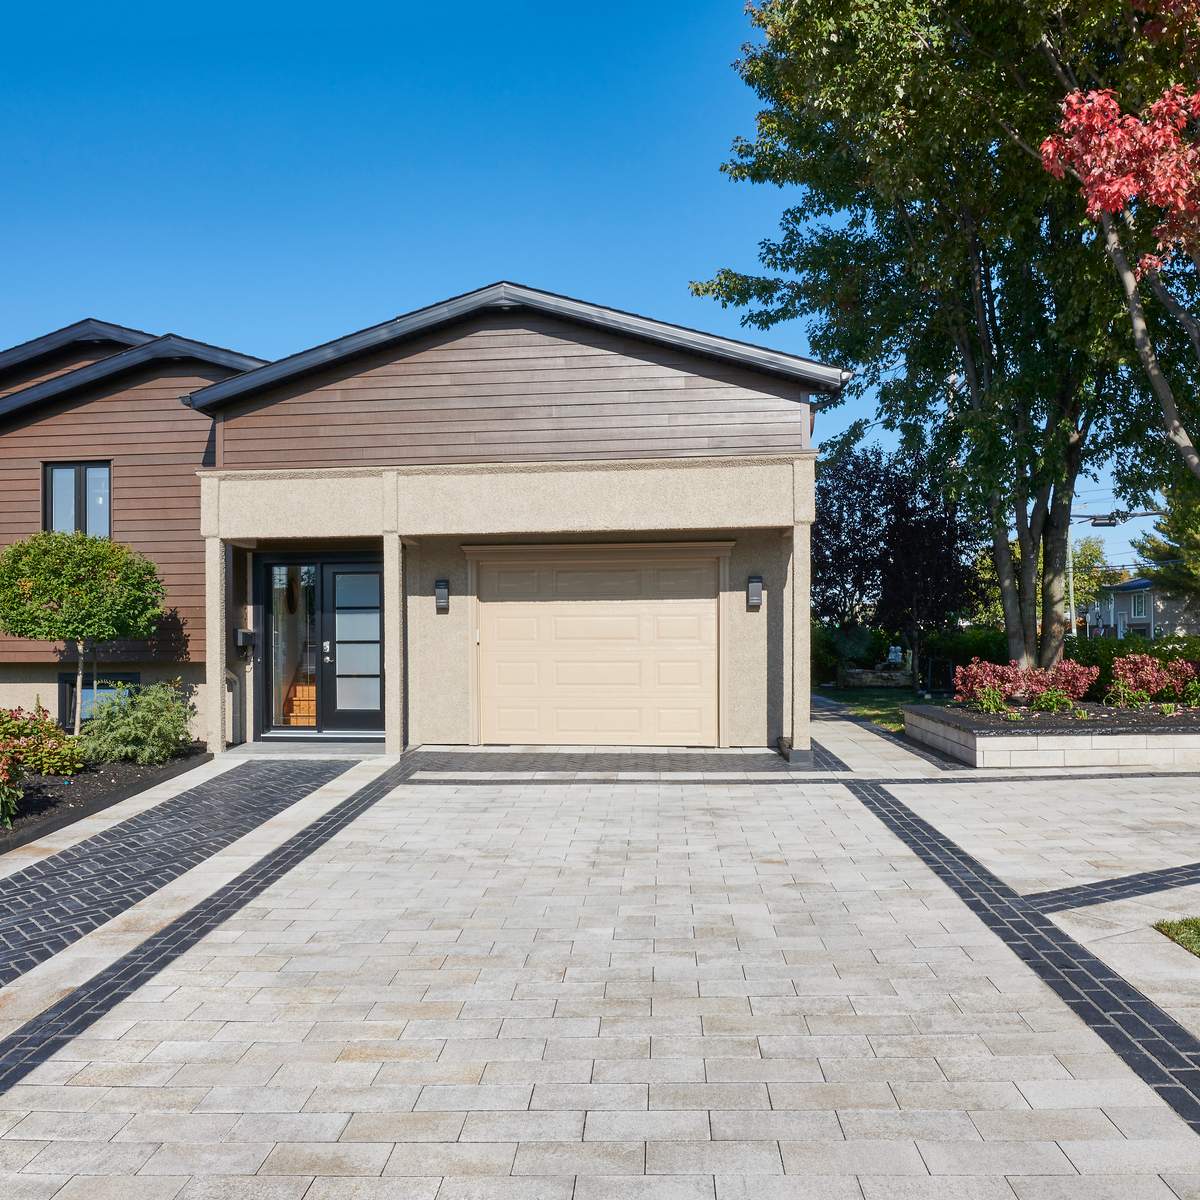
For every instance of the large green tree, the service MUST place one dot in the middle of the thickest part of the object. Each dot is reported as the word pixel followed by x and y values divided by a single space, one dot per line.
pixel 1091 572
pixel 85 591
pixel 930 251
pixel 1170 555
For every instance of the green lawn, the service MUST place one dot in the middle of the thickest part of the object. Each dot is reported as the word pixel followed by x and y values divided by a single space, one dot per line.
pixel 880 705
pixel 1185 931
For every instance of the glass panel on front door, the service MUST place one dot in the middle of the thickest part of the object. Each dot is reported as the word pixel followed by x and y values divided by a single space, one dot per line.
pixel 294 616
pixel 355 667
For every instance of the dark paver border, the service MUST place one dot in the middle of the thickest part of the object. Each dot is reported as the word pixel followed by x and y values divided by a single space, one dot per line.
pixel 42 1036
pixel 1124 887
pixel 1150 1041
pixel 55 901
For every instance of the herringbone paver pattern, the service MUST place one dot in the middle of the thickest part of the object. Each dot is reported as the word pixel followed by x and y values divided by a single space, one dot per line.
pixel 52 903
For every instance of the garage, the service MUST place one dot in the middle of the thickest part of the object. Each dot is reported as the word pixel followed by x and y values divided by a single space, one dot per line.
pixel 612 645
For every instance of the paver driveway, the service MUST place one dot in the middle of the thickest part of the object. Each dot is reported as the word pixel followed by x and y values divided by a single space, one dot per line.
pixel 587 988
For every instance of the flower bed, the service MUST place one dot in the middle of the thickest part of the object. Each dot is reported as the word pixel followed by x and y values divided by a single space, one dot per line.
pixel 1012 716
pixel 51 802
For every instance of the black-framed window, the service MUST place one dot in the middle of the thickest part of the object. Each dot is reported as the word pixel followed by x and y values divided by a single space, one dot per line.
pixel 78 497
pixel 91 692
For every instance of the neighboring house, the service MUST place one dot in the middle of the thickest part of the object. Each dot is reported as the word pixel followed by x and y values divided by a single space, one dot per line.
pixel 507 518
pixel 1142 607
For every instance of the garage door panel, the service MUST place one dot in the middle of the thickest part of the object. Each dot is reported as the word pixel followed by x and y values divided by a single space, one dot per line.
pixel 591 583
pixel 614 650
pixel 595 627
pixel 598 674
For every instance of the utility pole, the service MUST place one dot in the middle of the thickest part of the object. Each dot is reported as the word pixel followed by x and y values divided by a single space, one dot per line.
pixel 1071 579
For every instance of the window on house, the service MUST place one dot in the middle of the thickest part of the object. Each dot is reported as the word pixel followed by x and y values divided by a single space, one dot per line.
pixel 92 691
pixel 1138 608
pixel 77 498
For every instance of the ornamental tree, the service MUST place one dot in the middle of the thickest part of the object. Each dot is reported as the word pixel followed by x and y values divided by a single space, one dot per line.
pixel 69 587
pixel 1140 169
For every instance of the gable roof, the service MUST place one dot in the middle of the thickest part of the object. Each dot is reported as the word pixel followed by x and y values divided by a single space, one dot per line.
pixel 170 345
pixel 504 295
pixel 87 330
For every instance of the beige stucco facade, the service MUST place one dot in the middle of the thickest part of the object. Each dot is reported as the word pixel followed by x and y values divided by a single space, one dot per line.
pixel 420 519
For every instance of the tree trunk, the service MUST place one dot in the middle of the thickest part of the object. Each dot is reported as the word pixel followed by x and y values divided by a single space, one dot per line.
pixel 1142 339
pixel 1010 602
pixel 79 654
pixel 1027 586
pixel 1054 577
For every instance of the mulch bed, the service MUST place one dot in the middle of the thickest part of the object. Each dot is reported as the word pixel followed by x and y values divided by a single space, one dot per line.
pixel 52 801
pixel 1100 719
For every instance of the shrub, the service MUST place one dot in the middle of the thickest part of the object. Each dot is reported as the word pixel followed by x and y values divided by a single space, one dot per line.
pixel 978 676
pixel 1073 679
pixel 139 724
pixel 858 646
pixel 1070 680
pixel 824 654
pixel 1103 652
pixel 11 773
pixel 960 646
pixel 1140 673
pixel 44 748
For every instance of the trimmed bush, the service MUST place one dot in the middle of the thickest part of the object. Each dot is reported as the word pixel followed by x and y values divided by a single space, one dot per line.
pixel 959 646
pixel 139 724
pixel 43 747
pixel 1103 652
pixel 978 680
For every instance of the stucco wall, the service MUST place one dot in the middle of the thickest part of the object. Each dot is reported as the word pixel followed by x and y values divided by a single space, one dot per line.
pixel 441 645
pixel 760 503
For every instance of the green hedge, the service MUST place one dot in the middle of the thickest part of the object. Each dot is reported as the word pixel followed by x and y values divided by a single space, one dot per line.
pixel 824 655
pixel 959 646
pixel 1100 652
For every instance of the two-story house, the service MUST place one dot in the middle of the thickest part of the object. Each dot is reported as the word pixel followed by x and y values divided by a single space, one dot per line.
pixel 510 517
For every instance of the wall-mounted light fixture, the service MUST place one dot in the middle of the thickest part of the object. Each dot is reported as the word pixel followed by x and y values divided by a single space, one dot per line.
pixel 441 595
pixel 754 591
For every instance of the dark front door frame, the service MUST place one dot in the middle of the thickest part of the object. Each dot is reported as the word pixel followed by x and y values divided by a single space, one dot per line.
pixel 260 568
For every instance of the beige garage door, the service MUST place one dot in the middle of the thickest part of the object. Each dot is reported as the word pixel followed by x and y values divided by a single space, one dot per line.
pixel 611 648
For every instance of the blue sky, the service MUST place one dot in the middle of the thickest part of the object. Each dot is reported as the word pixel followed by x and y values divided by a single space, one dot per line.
pixel 267 177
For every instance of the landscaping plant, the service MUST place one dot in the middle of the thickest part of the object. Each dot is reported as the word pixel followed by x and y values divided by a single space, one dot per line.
pixel 1140 678
pixel 43 746
pixel 11 773
pixel 1065 684
pixel 140 724
pixel 69 587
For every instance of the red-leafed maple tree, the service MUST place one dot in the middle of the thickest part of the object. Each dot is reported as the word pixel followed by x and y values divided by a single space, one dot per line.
pixel 1138 169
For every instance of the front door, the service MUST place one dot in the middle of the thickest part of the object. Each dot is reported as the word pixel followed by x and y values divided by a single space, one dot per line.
pixel 324 628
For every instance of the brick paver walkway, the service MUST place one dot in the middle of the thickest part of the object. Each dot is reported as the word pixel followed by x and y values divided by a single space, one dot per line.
pixel 577 989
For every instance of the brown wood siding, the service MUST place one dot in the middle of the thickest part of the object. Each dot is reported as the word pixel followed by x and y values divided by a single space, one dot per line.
pixel 51 366
pixel 512 388
pixel 156 445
